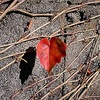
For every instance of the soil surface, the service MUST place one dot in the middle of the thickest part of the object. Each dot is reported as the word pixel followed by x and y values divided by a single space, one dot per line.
pixel 13 27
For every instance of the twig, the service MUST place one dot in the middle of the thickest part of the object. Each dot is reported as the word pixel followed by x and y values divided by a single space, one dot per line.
pixel 79 54
pixel 86 85
pixel 81 22
pixel 35 15
pixel 7 10
pixel 65 26
pixel 11 55
pixel 44 87
pixel 90 83
pixel 36 36
pixel 52 35
pixel 90 97
pixel 7 65
pixel 72 91
pixel 19 91
pixel 6 49
pixel 3 1
pixel 90 56
pixel 71 64
pixel 24 52
pixel 62 83
pixel 84 39
pixel 12 6
pixel 79 87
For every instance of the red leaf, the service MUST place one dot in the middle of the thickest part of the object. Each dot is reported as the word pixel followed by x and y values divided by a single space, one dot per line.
pixel 50 52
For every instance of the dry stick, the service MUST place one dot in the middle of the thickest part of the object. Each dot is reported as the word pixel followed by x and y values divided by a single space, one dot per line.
pixel 87 82
pixel 90 97
pixel 71 62
pixel 33 32
pixel 89 64
pixel 64 11
pixel 88 86
pixel 3 1
pixel 35 37
pixel 12 6
pixel 59 73
pixel 52 35
pixel 16 6
pixel 77 6
pixel 79 54
pixel 20 57
pixel 90 55
pixel 11 55
pixel 44 87
pixel 41 15
pixel 72 91
pixel 35 15
pixel 84 39
pixel 67 10
pixel 80 22
pixel 73 8
pixel 7 65
pixel 94 57
pixel 95 39
pixel 70 44
pixel 62 83
pixel 2 51
pixel 47 36
pixel 79 88
pixel 95 81
pixel 7 10
pixel 19 91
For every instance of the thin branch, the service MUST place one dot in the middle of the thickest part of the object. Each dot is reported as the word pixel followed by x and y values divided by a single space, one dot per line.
pixel 6 49
pixel 35 15
pixel 53 20
pixel 44 87
pixel 7 65
pixel 90 83
pixel 12 55
pixel 72 91
pixel 19 91
pixel 84 39
pixel 25 38
pixel 93 47
pixel 12 6
pixel 7 10
pixel 62 83
pixel 24 52
pixel 79 54
pixel 90 97
pixel 79 87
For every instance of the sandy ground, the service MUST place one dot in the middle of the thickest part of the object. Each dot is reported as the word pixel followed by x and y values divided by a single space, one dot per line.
pixel 12 28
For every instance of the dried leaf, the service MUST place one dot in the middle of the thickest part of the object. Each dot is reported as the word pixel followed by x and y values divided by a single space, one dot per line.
pixel 50 52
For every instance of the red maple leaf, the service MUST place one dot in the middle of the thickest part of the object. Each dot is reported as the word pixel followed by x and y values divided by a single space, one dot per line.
pixel 50 52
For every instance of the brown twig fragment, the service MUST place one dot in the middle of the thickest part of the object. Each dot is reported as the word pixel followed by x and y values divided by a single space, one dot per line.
pixel 12 6
pixel 7 65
